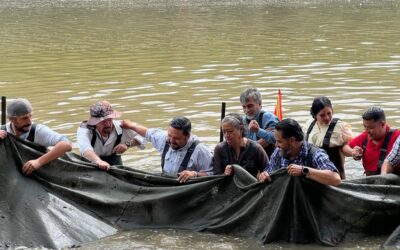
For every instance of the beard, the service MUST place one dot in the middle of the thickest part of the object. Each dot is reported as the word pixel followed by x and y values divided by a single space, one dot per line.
pixel 250 117
pixel 23 129
pixel 285 152
pixel 175 146
pixel 106 130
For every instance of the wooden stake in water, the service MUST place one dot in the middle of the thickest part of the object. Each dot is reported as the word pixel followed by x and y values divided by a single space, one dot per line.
pixel 3 110
pixel 221 135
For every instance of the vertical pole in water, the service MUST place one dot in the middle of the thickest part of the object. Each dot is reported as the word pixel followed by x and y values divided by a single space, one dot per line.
pixel 3 110
pixel 221 135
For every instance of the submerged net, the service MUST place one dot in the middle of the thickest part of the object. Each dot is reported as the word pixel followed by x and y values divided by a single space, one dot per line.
pixel 70 201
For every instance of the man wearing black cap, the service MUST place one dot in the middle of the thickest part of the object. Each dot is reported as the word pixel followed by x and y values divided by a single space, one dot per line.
pixel 102 140
pixel 19 112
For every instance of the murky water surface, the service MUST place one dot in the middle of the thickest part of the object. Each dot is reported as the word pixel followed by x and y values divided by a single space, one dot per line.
pixel 157 59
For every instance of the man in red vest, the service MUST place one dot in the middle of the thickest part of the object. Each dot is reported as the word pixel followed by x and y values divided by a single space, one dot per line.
pixel 375 143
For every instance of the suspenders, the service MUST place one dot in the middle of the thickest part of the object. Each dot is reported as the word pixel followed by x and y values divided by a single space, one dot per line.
pixel 328 134
pixel 94 138
pixel 383 150
pixel 31 135
pixel 186 159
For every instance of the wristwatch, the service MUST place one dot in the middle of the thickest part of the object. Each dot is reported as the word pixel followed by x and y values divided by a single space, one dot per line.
pixel 305 171
pixel 128 144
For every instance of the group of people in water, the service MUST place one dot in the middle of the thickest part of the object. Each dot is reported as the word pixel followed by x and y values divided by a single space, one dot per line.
pixel 257 141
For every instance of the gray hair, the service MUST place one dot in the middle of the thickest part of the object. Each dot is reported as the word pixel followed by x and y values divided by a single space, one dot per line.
pixel 235 120
pixel 250 93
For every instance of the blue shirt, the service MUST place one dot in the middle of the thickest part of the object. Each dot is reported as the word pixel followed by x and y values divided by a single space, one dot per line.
pixel 320 160
pixel 267 127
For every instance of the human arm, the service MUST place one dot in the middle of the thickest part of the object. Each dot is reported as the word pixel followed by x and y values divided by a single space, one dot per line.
pixel 83 136
pixel 355 152
pixel 218 164
pixel 264 177
pixel 3 134
pixel 346 132
pixel 186 175
pixel 200 164
pixel 323 176
pixel 354 147
pixel 321 170
pixel 272 165
pixel 93 157
pixel 58 150
pixel 266 134
pixel 140 129
pixel 46 137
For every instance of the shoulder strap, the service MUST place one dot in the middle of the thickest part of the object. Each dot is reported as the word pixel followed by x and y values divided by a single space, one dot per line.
pixel 31 136
pixel 118 141
pixel 188 155
pixel 166 148
pixel 364 145
pixel 259 120
pixel 94 136
pixel 329 132
pixel 311 151
pixel 310 129
pixel 384 149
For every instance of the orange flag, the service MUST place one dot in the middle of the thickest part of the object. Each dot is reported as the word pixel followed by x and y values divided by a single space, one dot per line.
pixel 278 106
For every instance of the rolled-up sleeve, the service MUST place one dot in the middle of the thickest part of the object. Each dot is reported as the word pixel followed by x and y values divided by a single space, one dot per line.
pixel 47 137
pixel 157 138
pixel 83 138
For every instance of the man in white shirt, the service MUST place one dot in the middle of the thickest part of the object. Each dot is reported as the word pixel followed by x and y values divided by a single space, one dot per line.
pixel 19 112
pixel 182 154
pixel 102 140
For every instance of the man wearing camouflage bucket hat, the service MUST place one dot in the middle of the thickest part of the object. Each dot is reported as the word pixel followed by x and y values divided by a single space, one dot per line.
pixel 102 140
pixel 19 112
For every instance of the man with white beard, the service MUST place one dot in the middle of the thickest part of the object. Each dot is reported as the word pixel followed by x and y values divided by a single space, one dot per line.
pixel 259 124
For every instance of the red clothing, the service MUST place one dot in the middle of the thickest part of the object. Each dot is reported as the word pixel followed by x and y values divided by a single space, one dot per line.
pixel 372 151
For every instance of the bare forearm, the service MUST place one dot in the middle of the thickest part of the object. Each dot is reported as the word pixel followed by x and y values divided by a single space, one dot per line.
pixel 58 150
pixel 347 150
pixel 91 155
pixel 326 177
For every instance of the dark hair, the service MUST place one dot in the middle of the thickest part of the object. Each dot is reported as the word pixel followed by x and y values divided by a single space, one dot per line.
pixel 250 93
pixel 289 128
pixel 235 120
pixel 318 104
pixel 181 123
pixel 374 113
